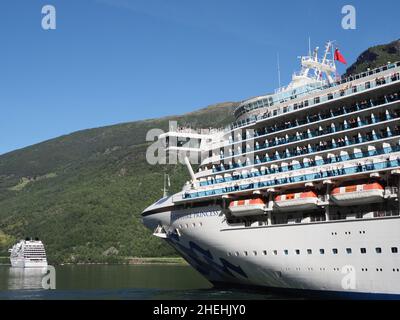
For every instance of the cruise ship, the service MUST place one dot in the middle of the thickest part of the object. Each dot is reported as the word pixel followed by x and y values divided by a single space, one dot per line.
pixel 28 253
pixel 301 193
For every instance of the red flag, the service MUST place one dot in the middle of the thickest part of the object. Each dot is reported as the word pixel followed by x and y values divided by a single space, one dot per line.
pixel 339 57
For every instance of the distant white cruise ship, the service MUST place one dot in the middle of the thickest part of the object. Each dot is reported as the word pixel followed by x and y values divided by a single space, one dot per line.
pixel 301 193
pixel 28 254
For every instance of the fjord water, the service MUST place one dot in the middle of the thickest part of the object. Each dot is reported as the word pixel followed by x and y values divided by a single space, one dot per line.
pixel 116 282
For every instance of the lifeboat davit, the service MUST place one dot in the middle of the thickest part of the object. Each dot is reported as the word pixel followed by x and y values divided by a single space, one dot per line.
pixel 247 207
pixel 297 201
pixel 358 194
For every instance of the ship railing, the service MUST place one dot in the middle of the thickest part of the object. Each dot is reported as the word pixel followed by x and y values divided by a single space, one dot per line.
pixel 306 135
pixel 322 99
pixel 331 114
pixel 342 142
pixel 202 131
pixel 321 175
pixel 256 105
pixel 385 213
pixel 307 164
pixel 391 190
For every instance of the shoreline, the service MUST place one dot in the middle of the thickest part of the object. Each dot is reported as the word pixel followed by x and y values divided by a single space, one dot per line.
pixel 137 261
pixel 124 261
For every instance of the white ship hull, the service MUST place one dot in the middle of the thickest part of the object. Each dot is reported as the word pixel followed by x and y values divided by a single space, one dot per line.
pixel 211 249
pixel 25 263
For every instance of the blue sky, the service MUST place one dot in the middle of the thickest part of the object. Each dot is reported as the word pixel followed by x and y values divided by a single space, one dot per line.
pixel 112 61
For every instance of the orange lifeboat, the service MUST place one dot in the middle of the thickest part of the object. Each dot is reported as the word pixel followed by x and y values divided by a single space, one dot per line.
pixel 296 201
pixel 247 207
pixel 358 194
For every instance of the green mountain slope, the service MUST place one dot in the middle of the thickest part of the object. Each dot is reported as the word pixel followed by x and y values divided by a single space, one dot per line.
pixel 82 193
pixel 375 56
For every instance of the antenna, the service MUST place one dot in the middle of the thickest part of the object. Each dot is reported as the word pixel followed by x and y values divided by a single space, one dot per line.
pixel 167 184
pixel 279 70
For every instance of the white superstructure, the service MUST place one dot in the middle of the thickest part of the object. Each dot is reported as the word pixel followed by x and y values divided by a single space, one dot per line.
pixel 28 254
pixel 301 192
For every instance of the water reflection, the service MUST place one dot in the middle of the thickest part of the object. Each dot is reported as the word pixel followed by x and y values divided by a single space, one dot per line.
pixel 25 278
pixel 117 282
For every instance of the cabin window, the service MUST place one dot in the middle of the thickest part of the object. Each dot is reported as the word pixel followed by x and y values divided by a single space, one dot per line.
pixel 316 100
pixel 237 254
pixel 321 251
pixel 246 253
pixel 265 252
pixel 363 250
pixel 378 250
pixel 255 253
pixel 394 250
pixel 275 252
pixel 348 250
pixel 297 251
pixel 335 251
pixel 309 251
pixel 306 103
pixel 286 252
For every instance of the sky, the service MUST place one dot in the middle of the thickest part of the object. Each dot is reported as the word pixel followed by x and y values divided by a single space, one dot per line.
pixel 113 61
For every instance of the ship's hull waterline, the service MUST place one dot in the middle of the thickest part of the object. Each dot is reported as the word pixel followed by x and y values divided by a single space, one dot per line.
pixel 289 257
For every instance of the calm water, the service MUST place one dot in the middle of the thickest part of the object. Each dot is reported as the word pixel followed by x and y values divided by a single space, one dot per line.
pixel 117 282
